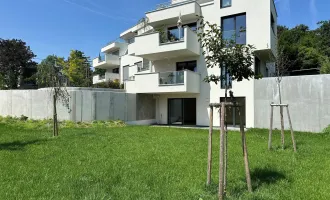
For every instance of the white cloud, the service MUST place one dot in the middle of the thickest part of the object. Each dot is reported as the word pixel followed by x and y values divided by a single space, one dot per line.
pixel 314 12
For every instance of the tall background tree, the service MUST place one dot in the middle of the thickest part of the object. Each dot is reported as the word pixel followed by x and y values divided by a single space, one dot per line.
pixel 78 69
pixel 16 63
pixel 305 48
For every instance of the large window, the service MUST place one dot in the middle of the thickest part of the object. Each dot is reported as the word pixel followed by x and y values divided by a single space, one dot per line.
pixel 173 33
pixel 225 78
pixel 187 65
pixel 234 28
pixel 225 3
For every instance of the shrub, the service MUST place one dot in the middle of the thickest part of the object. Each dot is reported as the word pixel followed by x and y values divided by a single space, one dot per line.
pixel 24 122
pixel 327 130
pixel 110 84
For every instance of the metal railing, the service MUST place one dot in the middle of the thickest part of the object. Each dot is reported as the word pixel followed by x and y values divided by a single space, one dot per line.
pixel 101 58
pixel 171 3
pixel 171 78
pixel 116 40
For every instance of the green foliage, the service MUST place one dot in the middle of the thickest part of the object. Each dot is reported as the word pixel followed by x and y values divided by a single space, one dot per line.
pixel 24 122
pixel 109 84
pixel 98 71
pixel 237 58
pixel 325 65
pixel 327 130
pixel 16 63
pixel 50 72
pixel 305 48
pixel 141 162
pixel 78 69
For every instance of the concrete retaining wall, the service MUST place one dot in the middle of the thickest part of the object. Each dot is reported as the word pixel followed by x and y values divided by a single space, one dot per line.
pixel 86 104
pixel 308 98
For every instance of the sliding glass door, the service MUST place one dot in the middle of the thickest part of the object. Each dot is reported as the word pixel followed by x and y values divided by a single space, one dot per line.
pixel 182 111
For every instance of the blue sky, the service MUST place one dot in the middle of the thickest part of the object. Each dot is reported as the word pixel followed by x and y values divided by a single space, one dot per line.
pixel 57 26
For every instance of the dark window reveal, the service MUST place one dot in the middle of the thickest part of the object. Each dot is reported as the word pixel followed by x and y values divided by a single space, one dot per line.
pixel 187 65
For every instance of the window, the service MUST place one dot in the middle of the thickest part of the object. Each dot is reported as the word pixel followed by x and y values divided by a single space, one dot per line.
pixel 234 28
pixel 173 32
pixel 257 70
pixel 115 71
pixel 272 22
pixel 187 65
pixel 131 40
pixel 126 72
pixel 225 3
pixel 143 66
pixel 115 53
pixel 225 78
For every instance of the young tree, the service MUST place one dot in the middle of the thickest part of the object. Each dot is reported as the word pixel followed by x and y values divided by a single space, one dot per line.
pixel 235 59
pixel 15 62
pixel 50 74
pixel 78 70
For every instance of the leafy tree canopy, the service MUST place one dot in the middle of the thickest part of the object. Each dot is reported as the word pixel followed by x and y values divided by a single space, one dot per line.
pixel 15 62
pixel 78 70
pixel 305 48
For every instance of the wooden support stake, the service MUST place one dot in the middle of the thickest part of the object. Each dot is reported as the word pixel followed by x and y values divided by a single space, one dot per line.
pixel 282 127
pixel 245 154
pixel 292 133
pixel 271 127
pixel 54 115
pixel 209 160
pixel 222 153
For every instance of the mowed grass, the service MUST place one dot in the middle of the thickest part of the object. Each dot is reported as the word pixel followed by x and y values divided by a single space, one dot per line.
pixel 156 163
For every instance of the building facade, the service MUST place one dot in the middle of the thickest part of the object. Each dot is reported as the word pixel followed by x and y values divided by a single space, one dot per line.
pixel 160 58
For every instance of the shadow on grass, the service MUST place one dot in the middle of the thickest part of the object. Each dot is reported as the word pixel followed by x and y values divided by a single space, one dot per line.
pixel 18 145
pixel 262 176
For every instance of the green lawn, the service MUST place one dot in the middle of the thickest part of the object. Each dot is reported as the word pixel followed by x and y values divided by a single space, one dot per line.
pixel 155 163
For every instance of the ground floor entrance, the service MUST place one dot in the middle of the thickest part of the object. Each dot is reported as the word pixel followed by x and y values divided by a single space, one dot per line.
pixel 182 111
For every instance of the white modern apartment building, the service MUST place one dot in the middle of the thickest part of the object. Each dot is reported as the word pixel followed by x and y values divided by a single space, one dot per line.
pixel 159 59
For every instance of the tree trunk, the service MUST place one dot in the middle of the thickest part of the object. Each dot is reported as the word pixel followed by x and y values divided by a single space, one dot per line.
pixel 292 133
pixel 209 160
pixel 245 154
pixel 54 115
pixel 226 140
pixel 282 127
pixel 281 114
pixel 271 127
pixel 222 153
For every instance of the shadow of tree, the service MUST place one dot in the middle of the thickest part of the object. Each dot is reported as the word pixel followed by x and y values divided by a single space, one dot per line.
pixel 18 145
pixel 261 176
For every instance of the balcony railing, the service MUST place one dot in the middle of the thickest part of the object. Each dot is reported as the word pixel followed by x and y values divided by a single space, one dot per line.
pixel 171 78
pixel 101 58
pixel 171 3
pixel 116 40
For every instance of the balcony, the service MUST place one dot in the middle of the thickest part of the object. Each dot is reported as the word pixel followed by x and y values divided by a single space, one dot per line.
pixel 106 61
pixel 153 49
pixel 168 13
pixel 165 82
pixel 114 45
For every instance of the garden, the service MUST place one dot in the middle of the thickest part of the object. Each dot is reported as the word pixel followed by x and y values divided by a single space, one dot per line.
pixel 109 160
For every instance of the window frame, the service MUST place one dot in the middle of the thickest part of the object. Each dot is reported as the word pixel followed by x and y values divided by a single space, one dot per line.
pixel 235 21
pixel 272 22
pixel 221 4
